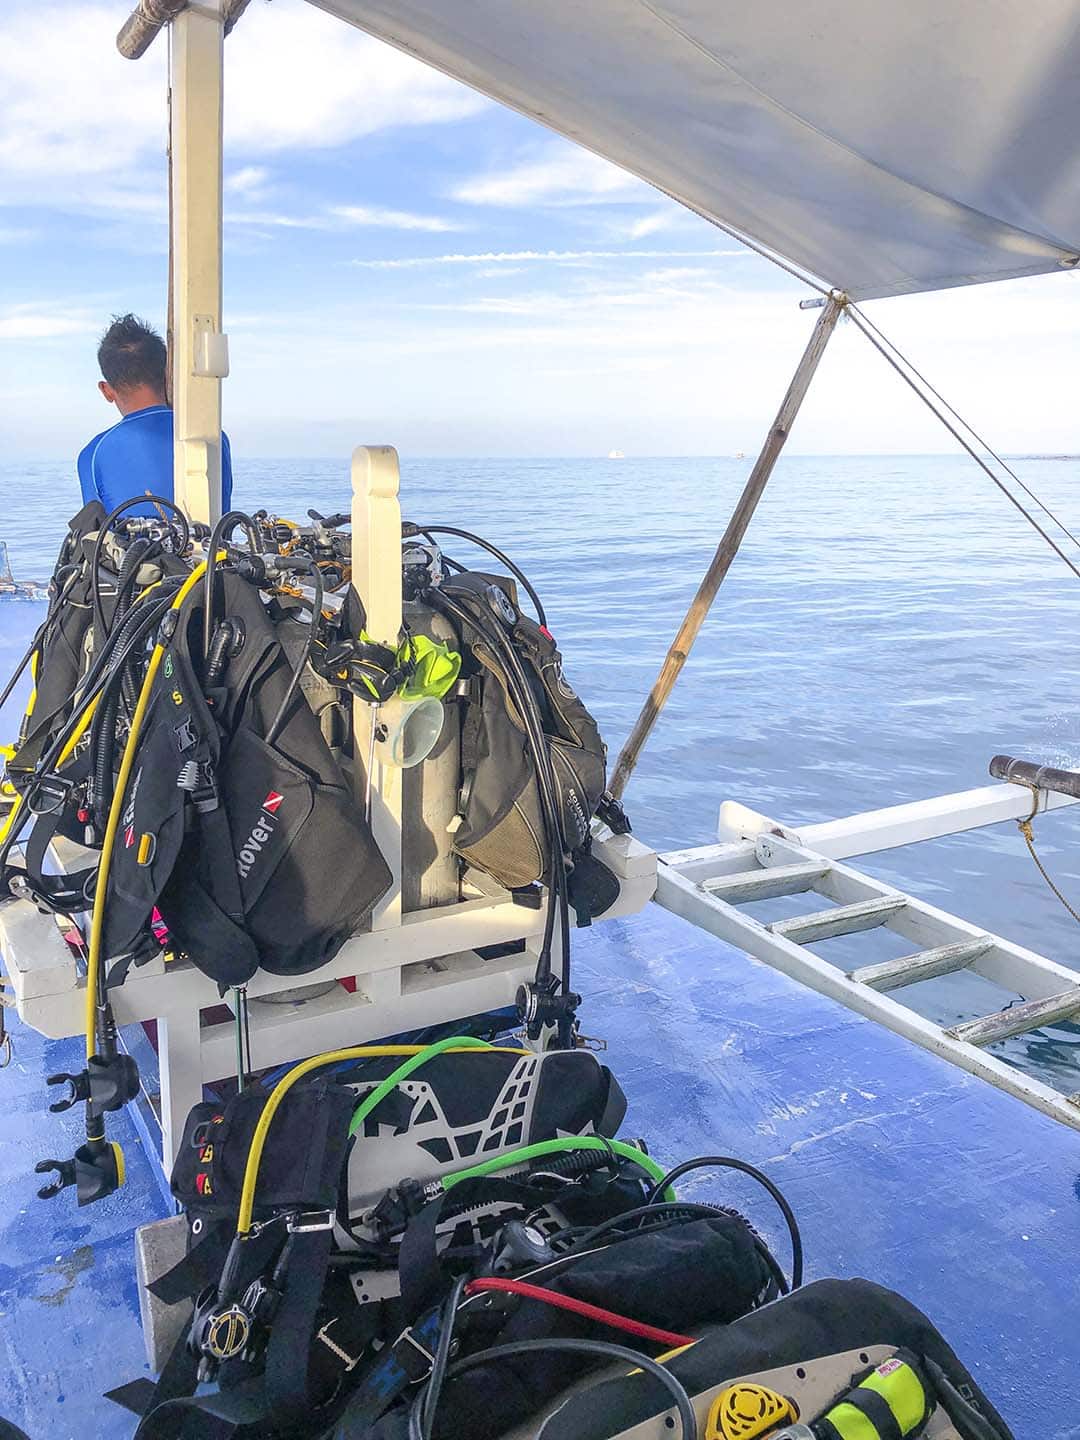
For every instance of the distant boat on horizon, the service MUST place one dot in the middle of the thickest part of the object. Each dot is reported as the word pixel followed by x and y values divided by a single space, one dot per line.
pixel 740 454
pixel 12 589
pixel 616 455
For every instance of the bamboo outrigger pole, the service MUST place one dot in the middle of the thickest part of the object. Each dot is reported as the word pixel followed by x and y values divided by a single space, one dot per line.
pixel 729 544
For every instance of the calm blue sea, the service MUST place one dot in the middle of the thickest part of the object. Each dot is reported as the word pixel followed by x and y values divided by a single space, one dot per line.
pixel 890 624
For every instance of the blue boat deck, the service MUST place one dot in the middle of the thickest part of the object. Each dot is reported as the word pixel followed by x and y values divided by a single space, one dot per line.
pixel 899 1167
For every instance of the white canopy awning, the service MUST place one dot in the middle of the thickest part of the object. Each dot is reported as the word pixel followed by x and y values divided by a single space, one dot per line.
pixel 884 146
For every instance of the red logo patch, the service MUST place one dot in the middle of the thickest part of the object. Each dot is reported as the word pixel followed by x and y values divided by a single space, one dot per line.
pixel 272 801
pixel 129 837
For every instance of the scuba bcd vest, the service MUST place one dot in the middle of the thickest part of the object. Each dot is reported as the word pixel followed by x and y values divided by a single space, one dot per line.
pixel 502 828
pixel 256 854
pixel 61 650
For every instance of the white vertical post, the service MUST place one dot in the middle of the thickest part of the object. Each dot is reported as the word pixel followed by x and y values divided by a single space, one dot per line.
pixel 199 358
pixel 181 1073
pixel 376 567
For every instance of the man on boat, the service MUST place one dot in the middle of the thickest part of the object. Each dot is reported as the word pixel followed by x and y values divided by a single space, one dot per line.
pixel 135 456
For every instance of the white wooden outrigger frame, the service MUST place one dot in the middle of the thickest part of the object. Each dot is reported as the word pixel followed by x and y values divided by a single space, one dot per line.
pixel 411 970
pixel 759 859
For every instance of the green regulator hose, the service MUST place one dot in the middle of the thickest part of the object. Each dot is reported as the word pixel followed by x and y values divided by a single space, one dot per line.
pixel 557 1147
pixel 379 1094
pixel 573 1143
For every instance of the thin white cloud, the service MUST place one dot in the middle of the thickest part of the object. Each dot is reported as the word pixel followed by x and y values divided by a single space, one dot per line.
pixel 652 224
pixel 548 257
pixel 45 322
pixel 278 220
pixel 374 215
pixel 670 274
pixel 563 176
pixel 345 217
pixel 249 181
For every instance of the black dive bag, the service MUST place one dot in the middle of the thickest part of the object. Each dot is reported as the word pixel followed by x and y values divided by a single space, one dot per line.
pixel 706 1272
pixel 257 855
pixel 502 828
pixel 829 1318
pixel 332 1307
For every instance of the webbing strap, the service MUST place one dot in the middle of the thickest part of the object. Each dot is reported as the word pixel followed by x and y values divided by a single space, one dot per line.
pixel 201 1266
pixel 205 1417
pixel 404 1363
pixel 288 1354
pixel 423 1277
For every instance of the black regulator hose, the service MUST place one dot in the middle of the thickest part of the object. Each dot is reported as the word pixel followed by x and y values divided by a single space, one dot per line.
pixel 518 574
pixel 138 552
pixel 119 678
pixel 729 1162
pixel 98 678
pixel 225 526
pixel 305 655
pixel 57 600
pixel 600 1349
pixel 100 628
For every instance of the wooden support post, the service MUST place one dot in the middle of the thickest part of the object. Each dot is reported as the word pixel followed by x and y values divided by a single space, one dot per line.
pixel 197 346
pixel 729 545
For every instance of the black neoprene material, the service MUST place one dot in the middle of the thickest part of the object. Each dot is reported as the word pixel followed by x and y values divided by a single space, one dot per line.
pixel 706 1271
pixel 828 1317
pixel 240 876
pixel 301 1163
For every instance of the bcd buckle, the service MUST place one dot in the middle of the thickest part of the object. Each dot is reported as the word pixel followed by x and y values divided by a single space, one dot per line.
pixel 310 1222
pixel 48 795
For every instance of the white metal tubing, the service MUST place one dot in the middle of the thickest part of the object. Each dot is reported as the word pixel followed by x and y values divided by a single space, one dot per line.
pixel 197 344
pixel 896 825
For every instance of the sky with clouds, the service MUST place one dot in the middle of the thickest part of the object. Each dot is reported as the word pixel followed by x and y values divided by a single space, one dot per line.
pixel 407 262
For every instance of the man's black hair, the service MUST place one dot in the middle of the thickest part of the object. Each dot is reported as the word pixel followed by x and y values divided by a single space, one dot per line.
pixel 132 353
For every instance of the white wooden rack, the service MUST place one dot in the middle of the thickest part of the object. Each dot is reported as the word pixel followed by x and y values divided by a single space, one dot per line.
pixel 411 969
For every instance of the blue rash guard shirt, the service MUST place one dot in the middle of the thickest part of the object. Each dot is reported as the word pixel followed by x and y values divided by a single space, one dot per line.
pixel 135 456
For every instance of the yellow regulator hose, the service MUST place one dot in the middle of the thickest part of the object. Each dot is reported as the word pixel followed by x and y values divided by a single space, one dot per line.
pixel 416 1055
pixel 116 809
